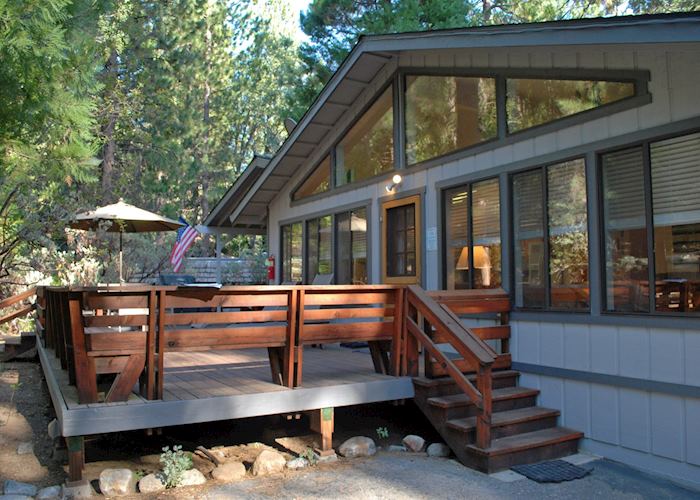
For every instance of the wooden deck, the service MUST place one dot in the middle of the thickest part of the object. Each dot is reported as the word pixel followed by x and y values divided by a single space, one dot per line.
pixel 221 385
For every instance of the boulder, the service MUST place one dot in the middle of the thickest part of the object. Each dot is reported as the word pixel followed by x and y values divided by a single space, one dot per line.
pixel 78 489
pixel 268 462
pixel 438 450
pixel 50 493
pixel 229 471
pixel 297 463
pixel 117 482
pixel 358 446
pixel 16 488
pixel 54 429
pixel 396 448
pixel 192 477
pixel 413 443
pixel 15 497
pixel 151 483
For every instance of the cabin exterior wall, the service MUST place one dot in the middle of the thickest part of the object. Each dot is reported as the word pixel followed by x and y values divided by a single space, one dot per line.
pixel 633 386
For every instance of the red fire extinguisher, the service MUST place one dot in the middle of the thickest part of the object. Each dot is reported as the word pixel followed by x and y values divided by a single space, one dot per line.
pixel 270 262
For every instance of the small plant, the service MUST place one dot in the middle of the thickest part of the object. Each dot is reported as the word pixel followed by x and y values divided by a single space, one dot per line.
pixel 382 432
pixel 309 455
pixel 139 474
pixel 174 463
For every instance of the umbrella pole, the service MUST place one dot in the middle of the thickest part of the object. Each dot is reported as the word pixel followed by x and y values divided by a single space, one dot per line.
pixel 121 275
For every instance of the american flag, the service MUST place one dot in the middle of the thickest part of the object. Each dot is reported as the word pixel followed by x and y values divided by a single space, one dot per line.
pixel 185 237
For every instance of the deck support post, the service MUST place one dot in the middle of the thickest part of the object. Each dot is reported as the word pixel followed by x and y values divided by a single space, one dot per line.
pixel 322 421
pixel 76 457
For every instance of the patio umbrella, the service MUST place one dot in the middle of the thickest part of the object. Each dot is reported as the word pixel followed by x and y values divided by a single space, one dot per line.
pixel 123 218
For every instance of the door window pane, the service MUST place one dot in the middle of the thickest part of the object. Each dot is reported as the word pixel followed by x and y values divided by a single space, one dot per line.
pixel 318 182
pixel 528 229
pixel 292 253
pixel 625 223
pixel 368 147
pixel 568 235
pixel 447 113
pixel 401 223
pixel 531 102
pixel 675 170
pixel 486 234
pixel 318 247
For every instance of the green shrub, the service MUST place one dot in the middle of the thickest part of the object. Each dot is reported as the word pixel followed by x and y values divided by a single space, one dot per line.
pixel 382 432
pixel 174 463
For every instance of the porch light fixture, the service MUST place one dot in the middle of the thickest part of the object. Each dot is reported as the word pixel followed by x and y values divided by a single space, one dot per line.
pixel 395 181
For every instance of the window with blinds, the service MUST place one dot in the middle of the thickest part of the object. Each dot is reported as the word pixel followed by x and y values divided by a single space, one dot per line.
pixel 660 273
pixel 292 258
pixel 472 236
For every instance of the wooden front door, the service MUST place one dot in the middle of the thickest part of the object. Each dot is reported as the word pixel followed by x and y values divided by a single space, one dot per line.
pixel 401 241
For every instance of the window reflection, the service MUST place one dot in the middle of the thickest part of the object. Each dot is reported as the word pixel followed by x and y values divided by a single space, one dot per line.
pixel 351 240
pixel 292 253
pixel 318 247
pixel 368 147
pixel 318 182
pixel 447 113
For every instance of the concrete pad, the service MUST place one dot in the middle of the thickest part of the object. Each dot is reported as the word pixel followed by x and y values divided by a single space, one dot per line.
pixel 507 476
pixel 581 458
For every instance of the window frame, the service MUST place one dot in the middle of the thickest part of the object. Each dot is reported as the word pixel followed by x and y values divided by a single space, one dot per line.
pixel 332 213
pixel 470 230
pixel 545 245
pixel 645 145
pixel 386 205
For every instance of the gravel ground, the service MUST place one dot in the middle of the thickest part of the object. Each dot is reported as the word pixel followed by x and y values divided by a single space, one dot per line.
pixel 398 475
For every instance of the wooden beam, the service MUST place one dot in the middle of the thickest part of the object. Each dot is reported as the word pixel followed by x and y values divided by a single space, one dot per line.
pixel 322 421
pixel 76 457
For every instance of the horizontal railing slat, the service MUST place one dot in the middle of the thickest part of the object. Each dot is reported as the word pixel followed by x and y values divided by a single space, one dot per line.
pixel 226 300
pixel 348 313
pixel 10 301
pixel 225 317
pixel 343 332
pixel 267 336
pixel 348 298
pixel 108 320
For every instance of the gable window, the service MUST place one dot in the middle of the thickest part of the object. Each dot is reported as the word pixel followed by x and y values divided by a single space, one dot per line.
pixel 447 113
pixel 318 182
pixel 531 102
pixel 550 229
pixel 651 211
pixel 319 253
pixel 473 236
pixel 292 265
pixel 351 241
pixel 367 149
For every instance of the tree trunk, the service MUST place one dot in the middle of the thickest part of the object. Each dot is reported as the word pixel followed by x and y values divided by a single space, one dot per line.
pixel 110 146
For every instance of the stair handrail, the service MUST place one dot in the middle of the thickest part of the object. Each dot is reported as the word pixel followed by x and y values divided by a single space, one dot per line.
pixel 466 343
pixel 15 299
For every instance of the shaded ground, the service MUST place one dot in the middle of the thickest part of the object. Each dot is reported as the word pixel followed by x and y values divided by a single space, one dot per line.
pixel 25 411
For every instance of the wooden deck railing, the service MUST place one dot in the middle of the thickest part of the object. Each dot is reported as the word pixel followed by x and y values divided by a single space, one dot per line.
pixel 127 332
pixel 21 304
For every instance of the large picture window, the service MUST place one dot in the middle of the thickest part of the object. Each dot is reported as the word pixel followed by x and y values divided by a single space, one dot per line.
pixel 367 149
pixel 318 182
pixel 292 261
pixel 550 229
pixel 351 241
pixel 472 236
pixel 448 113
pixel 651 209
pixel 531 102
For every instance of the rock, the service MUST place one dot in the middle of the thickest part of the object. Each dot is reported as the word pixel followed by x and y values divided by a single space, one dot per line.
pixel 54 429
pixel 297 463
pixel 117 482
pixel 358 446
pixel 25 448
pixel 326 459
pixel 153 460
pixel 16 488
pixel 229 471
pixel 413 443
pixel 192 477
pixel 396 448
pixel 268 462
pixel 151 483
pixel 78 489
pixel 50 493
pixel 438 450
pixel 15 497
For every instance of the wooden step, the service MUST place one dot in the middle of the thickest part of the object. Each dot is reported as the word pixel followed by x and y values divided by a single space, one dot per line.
pixel 505 394
pixel 497 376
pixel 524 448
pixel 508 423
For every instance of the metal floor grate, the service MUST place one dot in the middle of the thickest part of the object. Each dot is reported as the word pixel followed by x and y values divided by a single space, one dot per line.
pixel 554 471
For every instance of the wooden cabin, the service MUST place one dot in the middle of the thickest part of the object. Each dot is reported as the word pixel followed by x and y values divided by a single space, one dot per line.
pixel 555 161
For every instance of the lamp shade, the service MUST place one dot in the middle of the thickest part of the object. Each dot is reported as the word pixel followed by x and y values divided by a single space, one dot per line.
pixel 481 258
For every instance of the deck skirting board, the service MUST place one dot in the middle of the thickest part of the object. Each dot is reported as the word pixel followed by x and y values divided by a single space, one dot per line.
pixel 99 420
pixel 682 390
pixel 54 390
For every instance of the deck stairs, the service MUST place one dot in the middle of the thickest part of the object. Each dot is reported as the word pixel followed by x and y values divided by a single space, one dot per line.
pixel 469 393
pixel 521 431
pixel 12 346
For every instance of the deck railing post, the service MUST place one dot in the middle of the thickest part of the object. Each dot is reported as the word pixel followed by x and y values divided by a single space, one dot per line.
pixel 161 342
pixel 412 353
pixel 291 343
pixel 86 378
pixel 299 344
pixel 151 345
pixel 399 328
pixel 483 419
